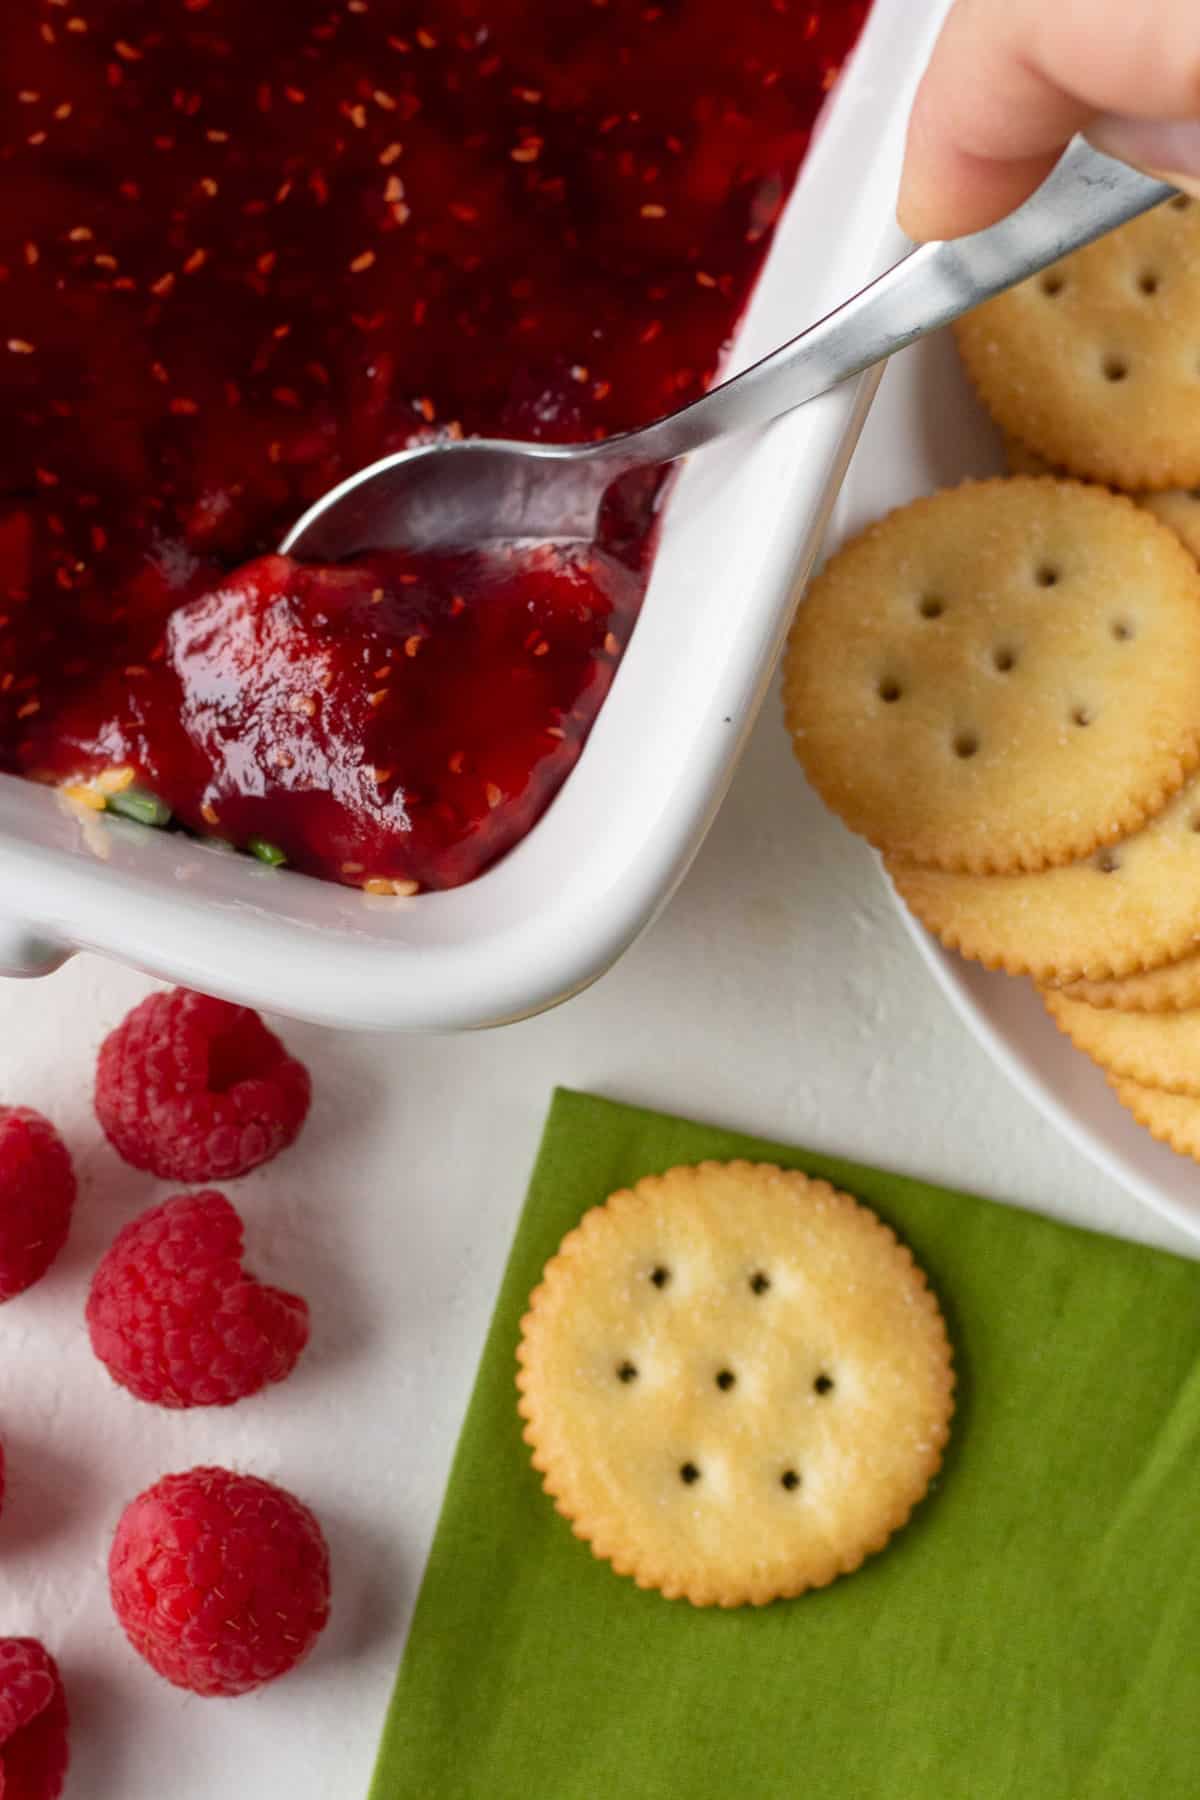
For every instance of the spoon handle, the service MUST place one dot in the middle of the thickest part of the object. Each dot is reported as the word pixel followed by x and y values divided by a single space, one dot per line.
pixel 1086 195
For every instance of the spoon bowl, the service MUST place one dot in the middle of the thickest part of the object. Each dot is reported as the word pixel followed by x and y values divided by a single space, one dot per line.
pixel 453 495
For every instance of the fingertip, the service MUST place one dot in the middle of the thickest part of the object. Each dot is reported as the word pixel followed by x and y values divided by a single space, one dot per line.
pixel 954 194
pixel 987 124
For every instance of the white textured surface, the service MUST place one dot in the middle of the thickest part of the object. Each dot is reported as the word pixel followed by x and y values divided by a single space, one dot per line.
pixel 778 994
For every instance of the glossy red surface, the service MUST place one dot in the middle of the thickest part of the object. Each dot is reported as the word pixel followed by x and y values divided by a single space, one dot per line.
pixel 245 250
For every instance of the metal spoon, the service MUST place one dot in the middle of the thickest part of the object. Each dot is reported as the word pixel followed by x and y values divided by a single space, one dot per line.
pixel 467 493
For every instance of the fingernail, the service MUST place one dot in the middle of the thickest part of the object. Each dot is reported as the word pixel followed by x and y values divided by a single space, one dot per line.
pixel 1168 148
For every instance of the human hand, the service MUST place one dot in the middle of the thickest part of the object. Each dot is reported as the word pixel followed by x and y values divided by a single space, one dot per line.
pixel 1011 81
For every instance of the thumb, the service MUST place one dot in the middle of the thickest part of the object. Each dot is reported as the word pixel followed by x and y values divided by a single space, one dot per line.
pixel 1169 149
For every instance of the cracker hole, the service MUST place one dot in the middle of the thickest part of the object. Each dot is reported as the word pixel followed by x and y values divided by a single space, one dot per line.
pixel 966 744
pixel 725 1380
pixel 889 692
pixel 1115 367
pixel 1107 861
pixel 688 1473
pixel 1196 822
pixel 1004 659
pixel 931 606
pixel 1082 715
pixel 660 1276
pixel 789 1480
pixel 1122 630
pixel 823 1384
pixel 1047 575
pixel 1053 283
pixel 759 1283
pixel 626 1372
pixel 1149 282
pixel 1180 203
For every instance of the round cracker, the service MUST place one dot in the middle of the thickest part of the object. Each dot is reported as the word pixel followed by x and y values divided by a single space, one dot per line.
pixel 1003 676
pixel 1093 362
pixel 1160 1050
pixel 1129 908
pixel 736 1383
pixel 1178 508
pixel 1173 1119
pixel 1173 988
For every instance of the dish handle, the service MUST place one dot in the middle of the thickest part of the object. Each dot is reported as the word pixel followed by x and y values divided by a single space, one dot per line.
pixel 23 952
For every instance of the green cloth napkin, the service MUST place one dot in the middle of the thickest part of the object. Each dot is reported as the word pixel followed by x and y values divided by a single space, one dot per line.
pixel 1033 1634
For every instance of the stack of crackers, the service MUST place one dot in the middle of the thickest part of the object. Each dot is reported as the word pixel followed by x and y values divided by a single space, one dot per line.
pixel 999 685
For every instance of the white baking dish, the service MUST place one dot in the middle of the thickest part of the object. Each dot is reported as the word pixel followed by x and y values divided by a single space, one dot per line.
pixel 744 521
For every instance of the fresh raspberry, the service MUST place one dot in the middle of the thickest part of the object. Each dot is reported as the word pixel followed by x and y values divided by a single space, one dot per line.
pixel 33 1722
pixel 197 1090
pixel 175 1318
pixel 37 1193
pixel 220 1581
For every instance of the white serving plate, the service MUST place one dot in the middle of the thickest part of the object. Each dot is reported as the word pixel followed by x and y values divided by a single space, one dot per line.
pixel 927 431
pixel 745 520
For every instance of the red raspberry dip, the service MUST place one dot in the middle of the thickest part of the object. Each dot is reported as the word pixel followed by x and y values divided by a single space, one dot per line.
pixel 247 249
